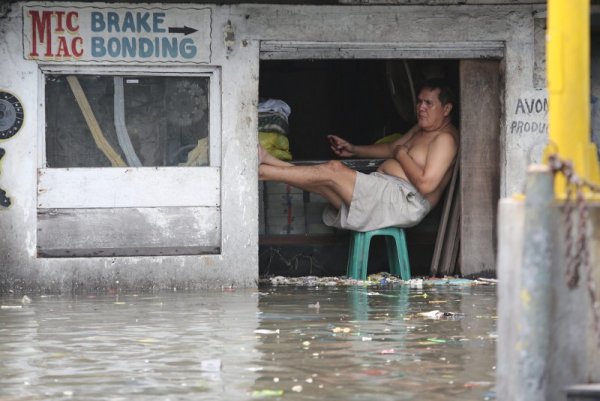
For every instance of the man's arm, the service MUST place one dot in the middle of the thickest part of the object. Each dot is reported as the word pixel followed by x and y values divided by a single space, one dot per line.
pixel 440 156
pixel 343 148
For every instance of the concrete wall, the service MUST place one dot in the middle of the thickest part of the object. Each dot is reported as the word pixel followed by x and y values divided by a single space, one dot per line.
pixel 236 265
pixel 237 32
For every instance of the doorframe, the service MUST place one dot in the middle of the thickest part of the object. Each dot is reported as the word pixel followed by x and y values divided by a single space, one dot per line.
pixel 477 235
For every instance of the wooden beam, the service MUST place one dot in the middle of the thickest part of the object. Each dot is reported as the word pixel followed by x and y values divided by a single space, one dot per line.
pixel 442 234
pixel 480 164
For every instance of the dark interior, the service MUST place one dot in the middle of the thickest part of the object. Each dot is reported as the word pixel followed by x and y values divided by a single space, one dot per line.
pixel 349 98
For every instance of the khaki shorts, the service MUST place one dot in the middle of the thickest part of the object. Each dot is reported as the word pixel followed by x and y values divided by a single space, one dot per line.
pixel 379 200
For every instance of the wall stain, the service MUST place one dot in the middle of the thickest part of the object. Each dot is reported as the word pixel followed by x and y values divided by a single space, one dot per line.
pixel 4 200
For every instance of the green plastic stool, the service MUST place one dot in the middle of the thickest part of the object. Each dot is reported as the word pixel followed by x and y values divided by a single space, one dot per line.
pixel 397 253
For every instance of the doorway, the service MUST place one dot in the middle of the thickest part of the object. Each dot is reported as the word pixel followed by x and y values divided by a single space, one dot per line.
pixel 365 100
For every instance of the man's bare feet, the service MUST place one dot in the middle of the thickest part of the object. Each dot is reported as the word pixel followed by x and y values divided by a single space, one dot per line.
pixel 264 157
pixel 262 152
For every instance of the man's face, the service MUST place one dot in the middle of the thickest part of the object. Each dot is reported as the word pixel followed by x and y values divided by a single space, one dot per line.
pixel 431 114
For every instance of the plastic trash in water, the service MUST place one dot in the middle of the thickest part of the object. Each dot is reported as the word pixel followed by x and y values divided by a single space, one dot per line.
pixel 437 314
pixel 266 393
pixel 415 283
pixel 266 331
pixel 210 365
pixel 211 369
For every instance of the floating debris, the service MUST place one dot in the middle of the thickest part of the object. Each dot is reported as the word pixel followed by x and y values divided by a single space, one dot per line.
pixel 416 283
pixel 486 281
pixel 147 340
pixel 266 331
pixel 380 280
pixel 434 314
pixel 278 280
pixel 267 393
pixel 437 314
pixel 11 307
pixel 315 305
pixel 451 281
pixel 210 365
pixel 478 384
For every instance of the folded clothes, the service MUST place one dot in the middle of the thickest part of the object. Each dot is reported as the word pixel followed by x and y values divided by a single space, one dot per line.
pixel 273 122
pixel 276 144
pixel 275 105
pixel 273 127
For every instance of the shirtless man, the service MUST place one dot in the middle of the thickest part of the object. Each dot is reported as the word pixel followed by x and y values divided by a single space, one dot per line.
pixel 407 185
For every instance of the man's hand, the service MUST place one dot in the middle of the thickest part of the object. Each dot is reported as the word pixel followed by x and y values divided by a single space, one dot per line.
pixel 340 146
pixel 399 149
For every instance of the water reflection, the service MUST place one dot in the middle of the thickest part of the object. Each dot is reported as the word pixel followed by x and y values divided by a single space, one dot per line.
pixel 366 344
pixel 334 343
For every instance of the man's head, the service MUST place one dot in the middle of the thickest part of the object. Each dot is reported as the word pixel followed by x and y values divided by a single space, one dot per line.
pixel 435 101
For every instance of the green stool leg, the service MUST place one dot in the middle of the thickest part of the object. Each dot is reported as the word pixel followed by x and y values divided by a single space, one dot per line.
pixel 402 255
pixel 351 256
pixel 355 255
pixel 392 255
pixel 364 263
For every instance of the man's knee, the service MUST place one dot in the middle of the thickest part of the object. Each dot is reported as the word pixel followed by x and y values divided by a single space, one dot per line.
pixel 337 172
pixel 335 166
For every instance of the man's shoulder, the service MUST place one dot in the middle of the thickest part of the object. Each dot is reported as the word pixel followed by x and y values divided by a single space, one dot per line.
pixel 449 129
pixel 448 133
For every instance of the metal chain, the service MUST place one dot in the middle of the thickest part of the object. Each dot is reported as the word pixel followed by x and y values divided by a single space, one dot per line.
pixel 577 250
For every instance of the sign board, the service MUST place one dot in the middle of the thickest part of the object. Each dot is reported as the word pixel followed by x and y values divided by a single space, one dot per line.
pixel 117 34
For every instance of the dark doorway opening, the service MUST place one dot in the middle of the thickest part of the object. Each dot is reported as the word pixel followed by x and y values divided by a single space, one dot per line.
pixel 362 101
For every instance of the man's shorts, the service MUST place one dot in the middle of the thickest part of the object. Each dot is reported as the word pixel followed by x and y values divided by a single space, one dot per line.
pixel 379 200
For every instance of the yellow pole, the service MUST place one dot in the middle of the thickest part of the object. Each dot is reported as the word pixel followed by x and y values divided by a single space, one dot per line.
pixel 568 76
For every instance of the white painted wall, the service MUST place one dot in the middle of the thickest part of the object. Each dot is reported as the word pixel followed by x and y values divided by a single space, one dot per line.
pixel 238 60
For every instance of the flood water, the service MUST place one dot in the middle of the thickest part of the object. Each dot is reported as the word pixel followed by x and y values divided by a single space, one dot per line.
pixel 284 342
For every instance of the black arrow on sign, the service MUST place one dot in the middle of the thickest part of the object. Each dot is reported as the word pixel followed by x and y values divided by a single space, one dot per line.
pixel 186 30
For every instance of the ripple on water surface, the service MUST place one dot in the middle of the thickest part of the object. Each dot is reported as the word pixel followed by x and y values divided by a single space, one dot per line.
pixel 286 342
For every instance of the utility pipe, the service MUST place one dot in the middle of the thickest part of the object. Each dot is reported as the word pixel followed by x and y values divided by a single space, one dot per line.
pixel 568 77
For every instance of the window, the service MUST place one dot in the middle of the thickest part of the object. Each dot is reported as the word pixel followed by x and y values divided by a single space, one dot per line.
pixel 137 120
